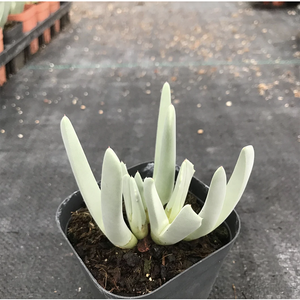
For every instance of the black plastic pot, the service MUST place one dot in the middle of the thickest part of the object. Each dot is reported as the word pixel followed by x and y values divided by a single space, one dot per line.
pixel 11 35
pixel 195 282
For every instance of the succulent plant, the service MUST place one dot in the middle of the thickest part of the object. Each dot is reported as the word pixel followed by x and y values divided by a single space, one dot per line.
pixel 4 11
pixel 16 7
pixel 156 201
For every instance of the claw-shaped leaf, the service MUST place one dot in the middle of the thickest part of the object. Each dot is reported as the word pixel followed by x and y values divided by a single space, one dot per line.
pixel 186 222
pixel 83 174
pixel 116 229
pixel 181 189
pixel 139 224
pixel 124 169
pixel 140 185
pixel 136 214
pixel 213 205
pixel 165 101
pixel 127 197
pixel 237 182
pixel 162 232
pixel 164 179
pixel 157 216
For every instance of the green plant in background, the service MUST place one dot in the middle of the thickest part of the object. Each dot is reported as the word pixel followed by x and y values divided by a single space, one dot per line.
pixel 4 12
pixel 154 201
pixel 16 7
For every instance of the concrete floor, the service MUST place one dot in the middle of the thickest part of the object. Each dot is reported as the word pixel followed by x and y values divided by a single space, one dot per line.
pixel 234 72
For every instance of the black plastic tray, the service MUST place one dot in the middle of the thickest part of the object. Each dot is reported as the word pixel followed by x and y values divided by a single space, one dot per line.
pixel 11 51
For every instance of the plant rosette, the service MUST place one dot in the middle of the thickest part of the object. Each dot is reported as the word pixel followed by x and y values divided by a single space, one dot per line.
pixel 149 209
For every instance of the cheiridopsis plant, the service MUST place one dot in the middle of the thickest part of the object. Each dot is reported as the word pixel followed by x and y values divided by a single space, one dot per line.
pixel 154 201
pixel 16 7
pixel 4 12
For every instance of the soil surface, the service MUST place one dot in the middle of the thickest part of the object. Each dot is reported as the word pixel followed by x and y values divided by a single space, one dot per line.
pixel 144 268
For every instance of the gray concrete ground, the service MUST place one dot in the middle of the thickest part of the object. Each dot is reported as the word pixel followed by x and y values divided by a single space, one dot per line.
pixel 234 72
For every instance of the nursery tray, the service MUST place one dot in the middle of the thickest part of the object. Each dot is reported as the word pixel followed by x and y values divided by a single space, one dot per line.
pixel 12 51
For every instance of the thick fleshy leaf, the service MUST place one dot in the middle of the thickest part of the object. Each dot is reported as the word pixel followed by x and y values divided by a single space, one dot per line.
pixel 165 101
pixel 139 224
pixel 164 180
pixel 157 216
pixel 16 7
pixel 140 184
pixel 181 189
pixel 237 183
pixel 127 197
pixel 162 232
pixel 83 174
pixel 4 12
pixel 213 205
pixel 124 168
pixel 184 224
pixel 116 229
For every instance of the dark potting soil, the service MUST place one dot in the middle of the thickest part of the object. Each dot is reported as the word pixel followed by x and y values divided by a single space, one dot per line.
pixel 144 268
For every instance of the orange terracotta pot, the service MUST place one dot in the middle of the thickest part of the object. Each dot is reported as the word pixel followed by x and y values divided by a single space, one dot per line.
pixel 2 69
pixel 42 13
pixel 29 19
pixel 54 6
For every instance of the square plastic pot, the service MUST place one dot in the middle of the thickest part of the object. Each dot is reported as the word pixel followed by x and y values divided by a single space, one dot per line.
pixel 194 283
pixel 10 36
pixel 13 34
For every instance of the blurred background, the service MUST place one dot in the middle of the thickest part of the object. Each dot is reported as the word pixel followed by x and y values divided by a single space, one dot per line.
pixel 234 71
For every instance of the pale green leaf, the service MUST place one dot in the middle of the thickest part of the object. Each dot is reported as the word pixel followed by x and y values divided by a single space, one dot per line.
pixel 140 185
pixel 164 180
pixel 127 197
pixel 116 229
pixel 4 11
pixel 237 183
pixel 213 205
pixel 139 224
pixel 157 216
pixel 124 168
pixel 16 7
pixel 83 174
pixel 181 189
pixel 184 224
pixel 165 101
